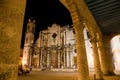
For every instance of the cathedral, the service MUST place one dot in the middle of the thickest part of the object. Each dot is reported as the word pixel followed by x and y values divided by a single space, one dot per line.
pixel 54 49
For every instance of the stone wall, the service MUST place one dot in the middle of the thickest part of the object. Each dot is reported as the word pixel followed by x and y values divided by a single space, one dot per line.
pixel 11 22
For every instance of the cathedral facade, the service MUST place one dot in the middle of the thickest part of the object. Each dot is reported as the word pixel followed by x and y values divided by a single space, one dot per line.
pixel 54 49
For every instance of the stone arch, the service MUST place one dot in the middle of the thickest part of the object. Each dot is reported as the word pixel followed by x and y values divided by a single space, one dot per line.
pixel 80 20
pixel 106 44
pixel 81 15
pixel 114 50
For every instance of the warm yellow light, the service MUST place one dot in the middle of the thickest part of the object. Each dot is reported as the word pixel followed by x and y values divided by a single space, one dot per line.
pixel 24 62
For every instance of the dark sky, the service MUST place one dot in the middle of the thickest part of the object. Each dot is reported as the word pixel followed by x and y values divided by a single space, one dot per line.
pixel 45 12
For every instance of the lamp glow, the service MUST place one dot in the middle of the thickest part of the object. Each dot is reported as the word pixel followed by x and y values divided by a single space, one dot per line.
pixel 24 62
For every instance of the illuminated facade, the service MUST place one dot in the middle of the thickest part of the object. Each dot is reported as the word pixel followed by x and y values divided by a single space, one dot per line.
pixel 55 48
pixel 115 46
pixel 29 41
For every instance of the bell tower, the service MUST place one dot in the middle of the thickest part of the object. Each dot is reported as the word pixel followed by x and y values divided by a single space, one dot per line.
pixel 29 41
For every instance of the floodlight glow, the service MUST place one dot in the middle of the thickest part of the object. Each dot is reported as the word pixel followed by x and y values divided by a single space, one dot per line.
pixel 24 61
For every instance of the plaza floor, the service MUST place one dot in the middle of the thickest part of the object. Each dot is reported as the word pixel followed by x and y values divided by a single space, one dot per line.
pixel 60 75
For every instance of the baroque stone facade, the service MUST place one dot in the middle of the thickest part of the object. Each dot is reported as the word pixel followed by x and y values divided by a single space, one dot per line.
pixel 55 48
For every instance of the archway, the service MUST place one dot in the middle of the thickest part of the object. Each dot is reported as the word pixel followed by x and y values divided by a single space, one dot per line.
pixel 78 25
pixel 80 14
pixel 115 52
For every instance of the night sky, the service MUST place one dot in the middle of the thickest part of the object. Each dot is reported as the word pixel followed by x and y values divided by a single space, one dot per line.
pixel 45 12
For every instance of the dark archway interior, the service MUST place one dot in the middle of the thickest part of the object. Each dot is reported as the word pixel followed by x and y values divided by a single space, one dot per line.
pixel 45 12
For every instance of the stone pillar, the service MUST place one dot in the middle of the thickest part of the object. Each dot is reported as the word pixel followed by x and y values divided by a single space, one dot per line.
pixel 11 23
pixel 82 64
pixel 98 73
pixel 102 54
pixel 108 55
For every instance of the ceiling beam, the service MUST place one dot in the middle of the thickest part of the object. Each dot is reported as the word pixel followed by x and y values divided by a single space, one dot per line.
pixel 103 4
pixel 112 12
pixel 104 9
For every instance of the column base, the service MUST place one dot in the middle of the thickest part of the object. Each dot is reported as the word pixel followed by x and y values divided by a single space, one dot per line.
pixel 99 78
pixel 109 74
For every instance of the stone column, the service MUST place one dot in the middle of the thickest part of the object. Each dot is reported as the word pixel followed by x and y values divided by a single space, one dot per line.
pixel 110 67
pixel 11 23
pixel 98 73
pixel 103 60
pixel 82 64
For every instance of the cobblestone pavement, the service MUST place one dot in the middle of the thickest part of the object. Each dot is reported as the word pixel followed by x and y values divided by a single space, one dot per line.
pixel 50 75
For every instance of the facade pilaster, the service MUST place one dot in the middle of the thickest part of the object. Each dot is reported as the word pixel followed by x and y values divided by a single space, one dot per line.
pixel 59 57
pixel 48 58
pixel 41 56
pixel 65 59
pixel 68 57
